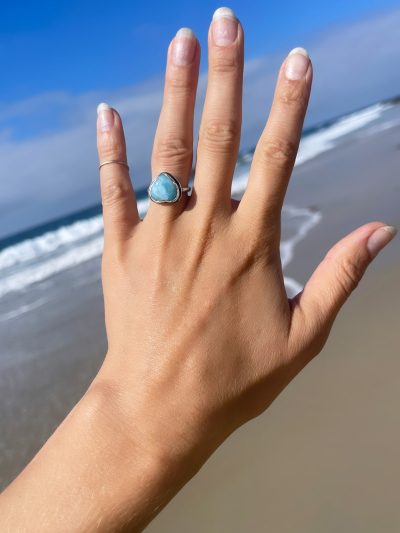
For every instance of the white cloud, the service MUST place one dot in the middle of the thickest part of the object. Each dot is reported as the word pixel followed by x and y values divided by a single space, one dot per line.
pixel 31 105
pixel 55 173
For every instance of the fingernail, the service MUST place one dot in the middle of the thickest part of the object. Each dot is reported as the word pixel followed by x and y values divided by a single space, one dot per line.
pixel 297 64
pixel 380 238
pixel 224 26
pixel 184 47
pixel 105 117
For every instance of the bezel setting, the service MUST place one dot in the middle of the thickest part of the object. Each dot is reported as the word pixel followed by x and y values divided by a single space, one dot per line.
pixel 178 189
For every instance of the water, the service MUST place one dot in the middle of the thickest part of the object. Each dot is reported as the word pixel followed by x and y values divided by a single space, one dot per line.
pixel 31 261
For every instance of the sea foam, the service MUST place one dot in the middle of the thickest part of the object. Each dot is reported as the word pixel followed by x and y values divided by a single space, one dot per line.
pixel 40 258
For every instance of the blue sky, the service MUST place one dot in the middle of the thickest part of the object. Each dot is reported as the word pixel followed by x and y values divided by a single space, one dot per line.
pixel 80 46
pixel 59 59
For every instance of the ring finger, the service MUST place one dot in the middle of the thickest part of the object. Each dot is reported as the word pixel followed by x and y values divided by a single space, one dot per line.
pixel 173 143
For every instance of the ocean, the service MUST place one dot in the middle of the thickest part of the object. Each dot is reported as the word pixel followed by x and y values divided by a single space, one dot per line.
pixel 31 262
pixel 52 330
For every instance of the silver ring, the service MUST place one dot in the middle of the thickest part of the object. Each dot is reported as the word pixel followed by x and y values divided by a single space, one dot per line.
pixel 109 161
pixel 166 189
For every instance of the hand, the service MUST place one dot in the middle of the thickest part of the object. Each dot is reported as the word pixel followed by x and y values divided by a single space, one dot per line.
pixel 201 334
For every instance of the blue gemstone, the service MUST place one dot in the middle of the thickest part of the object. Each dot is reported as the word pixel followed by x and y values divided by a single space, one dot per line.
pixel 164 189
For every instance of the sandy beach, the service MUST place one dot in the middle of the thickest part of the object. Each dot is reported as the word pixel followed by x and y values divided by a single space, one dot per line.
pixel 325 456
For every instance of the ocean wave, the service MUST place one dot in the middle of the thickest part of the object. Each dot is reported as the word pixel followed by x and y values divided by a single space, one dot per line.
pixel 325 139
pixel 33 249
pixel 39 258
pixel 80 253
pixel 41 270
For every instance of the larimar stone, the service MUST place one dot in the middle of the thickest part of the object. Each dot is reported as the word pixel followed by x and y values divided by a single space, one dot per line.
pixel 164 189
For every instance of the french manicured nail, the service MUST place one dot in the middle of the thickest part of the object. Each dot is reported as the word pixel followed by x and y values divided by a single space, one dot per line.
pixel 105 117
pixel 184 47
pixel 224 26
pixel 380 238
pixel 297 64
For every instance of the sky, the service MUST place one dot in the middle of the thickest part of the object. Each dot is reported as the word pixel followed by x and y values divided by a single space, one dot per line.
pixel 60 59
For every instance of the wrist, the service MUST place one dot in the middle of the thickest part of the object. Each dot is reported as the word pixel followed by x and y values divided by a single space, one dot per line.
pixel 161 416
pixel 113 473
pixel 96 469
pixel 142 425
pixel 110 419
pixel 141 465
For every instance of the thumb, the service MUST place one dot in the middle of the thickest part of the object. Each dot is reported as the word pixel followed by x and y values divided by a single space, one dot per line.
pixel 315 309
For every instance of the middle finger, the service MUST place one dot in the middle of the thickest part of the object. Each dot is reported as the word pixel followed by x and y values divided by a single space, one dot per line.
pixel 222 115
pixel 173 144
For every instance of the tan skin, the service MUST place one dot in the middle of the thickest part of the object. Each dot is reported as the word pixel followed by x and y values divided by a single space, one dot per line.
pixel 201 334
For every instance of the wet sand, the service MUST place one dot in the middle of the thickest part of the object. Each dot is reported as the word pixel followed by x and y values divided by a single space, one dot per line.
pixel 325 456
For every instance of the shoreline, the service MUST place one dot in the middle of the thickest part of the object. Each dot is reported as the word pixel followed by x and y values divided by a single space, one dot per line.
pixel 324 456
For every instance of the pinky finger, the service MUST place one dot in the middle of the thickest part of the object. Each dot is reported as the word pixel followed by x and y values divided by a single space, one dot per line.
pixel 120 212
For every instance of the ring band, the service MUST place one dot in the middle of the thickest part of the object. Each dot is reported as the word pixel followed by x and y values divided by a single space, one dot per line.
pixel 108 162
pixel 166 189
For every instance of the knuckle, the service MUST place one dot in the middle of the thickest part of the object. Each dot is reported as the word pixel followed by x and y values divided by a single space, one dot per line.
pixel 173 150
pixel 264 250
pixel 292 94
pixel 220 136
pixel 114 192
pixel 281 152
pixel 111 148
pixel 225 63
pixel 259 245
pixel 349 273
pixel 180 83
pixel 204 235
